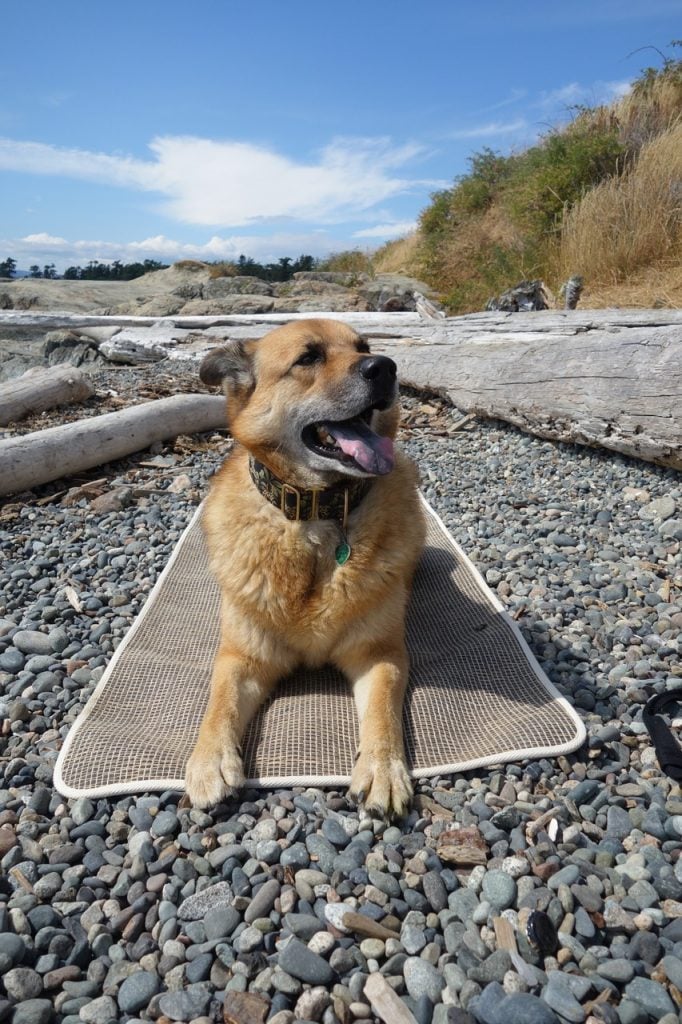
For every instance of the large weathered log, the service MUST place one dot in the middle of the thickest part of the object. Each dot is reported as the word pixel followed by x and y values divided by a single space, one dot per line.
pixel 611 381
pixel 42 388
pixel 609 378
pixel 37 458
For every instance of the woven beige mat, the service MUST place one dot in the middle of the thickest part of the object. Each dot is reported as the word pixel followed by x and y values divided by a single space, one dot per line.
pixel 476 696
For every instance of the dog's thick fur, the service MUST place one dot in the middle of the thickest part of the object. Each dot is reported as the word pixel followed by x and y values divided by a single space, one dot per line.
pixel 285 600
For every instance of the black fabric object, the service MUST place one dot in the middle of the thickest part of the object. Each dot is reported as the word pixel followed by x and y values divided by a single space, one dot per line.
pixel 668 750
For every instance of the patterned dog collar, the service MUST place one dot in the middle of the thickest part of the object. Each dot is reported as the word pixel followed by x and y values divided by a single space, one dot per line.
pixel 298 503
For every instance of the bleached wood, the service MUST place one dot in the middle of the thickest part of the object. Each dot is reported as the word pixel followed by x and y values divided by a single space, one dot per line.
pixel 607 378
pixel 615 382
pixel 32 459
pixel 42 388
pixel 388 1006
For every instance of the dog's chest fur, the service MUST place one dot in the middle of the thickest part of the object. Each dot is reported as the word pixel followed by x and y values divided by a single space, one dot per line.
pixel 284 576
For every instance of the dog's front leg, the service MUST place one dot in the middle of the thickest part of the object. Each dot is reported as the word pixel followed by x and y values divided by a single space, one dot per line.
pixel 239 686
pixel 380 779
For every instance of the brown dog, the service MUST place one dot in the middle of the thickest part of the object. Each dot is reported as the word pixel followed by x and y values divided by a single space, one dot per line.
pixel 314 527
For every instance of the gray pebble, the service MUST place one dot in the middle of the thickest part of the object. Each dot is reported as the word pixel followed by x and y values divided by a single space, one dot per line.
pixel 297 960
pixel 186 1005
pixel 499 889
pixel 165 824
pixel 33 1011
pixel 195 907
pixel 423 979
pixel 137 991
pixel 99 1011
pixel 23 983
pixel 30 641
pixel 651 996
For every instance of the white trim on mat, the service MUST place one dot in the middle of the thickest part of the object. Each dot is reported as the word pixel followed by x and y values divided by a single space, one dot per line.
pixel 275 781
pixel 127 787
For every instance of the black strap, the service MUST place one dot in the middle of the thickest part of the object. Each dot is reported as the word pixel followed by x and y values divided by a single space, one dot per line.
pixel 668 750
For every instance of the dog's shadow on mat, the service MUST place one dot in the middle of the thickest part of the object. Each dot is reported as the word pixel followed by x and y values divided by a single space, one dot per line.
pixel 474 690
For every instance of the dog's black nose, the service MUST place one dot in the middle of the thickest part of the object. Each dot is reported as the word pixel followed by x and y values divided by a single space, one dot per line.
pixel 378 368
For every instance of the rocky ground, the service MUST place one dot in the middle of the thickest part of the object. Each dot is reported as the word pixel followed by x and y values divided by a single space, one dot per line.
pixel 564 900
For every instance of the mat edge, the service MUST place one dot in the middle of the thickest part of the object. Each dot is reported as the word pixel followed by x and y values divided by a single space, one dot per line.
pixel 581 730
pixel 320 781
pixel 59 783
pixel 146 785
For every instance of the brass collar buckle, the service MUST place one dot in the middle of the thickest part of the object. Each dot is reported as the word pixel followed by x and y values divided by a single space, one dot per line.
pixel 284 508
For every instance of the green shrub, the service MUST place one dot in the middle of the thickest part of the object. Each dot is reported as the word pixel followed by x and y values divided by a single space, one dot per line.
pixel 553 175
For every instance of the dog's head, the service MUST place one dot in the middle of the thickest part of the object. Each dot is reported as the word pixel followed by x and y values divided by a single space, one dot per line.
pixel 310 401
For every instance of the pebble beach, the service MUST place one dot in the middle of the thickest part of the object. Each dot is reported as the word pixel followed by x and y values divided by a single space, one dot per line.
pixel 282 906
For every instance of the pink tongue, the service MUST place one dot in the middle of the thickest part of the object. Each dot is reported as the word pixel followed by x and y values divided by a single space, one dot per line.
pixel 372 452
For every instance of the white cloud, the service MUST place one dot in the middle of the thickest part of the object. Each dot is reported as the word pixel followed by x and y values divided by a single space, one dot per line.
pixel 43 240
pixel 514 97
pixel 575 93
pixel 492 128
pixel 393 230
pixel 46 248
pixel 233 184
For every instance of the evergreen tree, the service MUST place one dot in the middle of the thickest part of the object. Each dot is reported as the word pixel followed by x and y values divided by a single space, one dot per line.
pixel 7 267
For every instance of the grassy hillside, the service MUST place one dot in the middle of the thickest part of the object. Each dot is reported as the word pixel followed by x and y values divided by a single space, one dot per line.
pixel 600 197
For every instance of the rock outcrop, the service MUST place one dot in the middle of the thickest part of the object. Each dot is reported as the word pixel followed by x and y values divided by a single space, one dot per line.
pixel 184 290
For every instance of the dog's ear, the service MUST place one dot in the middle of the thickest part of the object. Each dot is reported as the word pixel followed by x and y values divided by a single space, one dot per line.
pixel 229 363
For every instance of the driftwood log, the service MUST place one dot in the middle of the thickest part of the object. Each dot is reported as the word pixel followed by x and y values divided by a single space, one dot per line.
pixel 612 380
pixel 42 388
pixel 32 459
pixel 608 378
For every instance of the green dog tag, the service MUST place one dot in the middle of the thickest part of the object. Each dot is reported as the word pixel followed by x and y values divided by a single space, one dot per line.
pixel 342 553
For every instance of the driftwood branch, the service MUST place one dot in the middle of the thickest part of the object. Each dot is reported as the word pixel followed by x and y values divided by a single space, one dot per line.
pixel 32 459
pixel 42 388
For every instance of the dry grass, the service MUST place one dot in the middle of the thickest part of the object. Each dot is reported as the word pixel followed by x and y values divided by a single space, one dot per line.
pixel 398 257
pixel 625 224
pixel 350 261
pixel 652 288
pixel 476 261
pixel 190 265
pixel 225 269
pixel 651 108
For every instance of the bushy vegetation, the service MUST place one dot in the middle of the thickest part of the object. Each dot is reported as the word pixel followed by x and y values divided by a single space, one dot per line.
pixel 599 197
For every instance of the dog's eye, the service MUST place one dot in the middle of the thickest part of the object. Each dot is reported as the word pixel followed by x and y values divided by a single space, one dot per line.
pixel 309 357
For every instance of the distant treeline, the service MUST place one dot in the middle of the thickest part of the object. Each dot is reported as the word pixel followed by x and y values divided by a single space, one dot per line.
pixel 116 271
pixel 282 270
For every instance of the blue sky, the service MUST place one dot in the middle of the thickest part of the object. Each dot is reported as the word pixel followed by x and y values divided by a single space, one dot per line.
pixel 170 130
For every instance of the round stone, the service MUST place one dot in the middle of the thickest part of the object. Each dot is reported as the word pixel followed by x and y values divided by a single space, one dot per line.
pixel 137 991
pixel 99 1011
pixel 299 961
pixel 23 983
pixel 30 641
pixel 165 824
pixel 423 979
pixel 185 1005
pixel 499 889
pixel 34 1011
pixel 651 996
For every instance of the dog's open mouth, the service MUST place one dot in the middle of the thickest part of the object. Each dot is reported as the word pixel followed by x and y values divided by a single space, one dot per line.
pixel 351 442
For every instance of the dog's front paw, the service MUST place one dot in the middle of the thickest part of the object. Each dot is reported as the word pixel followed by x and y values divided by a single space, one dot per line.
pixel 212 775
pixel 380 782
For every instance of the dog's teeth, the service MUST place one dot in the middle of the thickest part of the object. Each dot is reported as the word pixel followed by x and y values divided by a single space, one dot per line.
pixel 324 436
